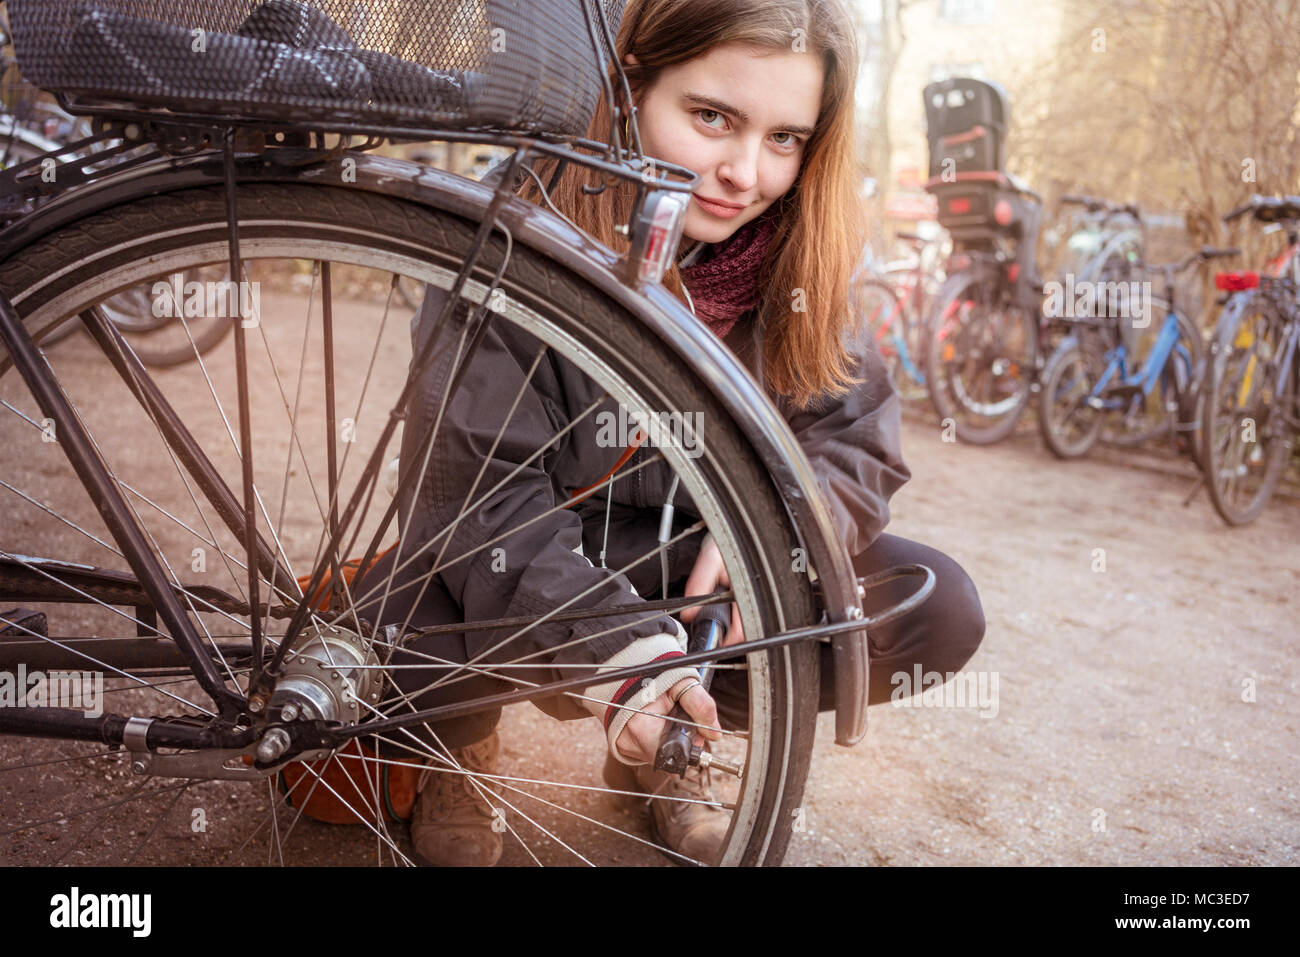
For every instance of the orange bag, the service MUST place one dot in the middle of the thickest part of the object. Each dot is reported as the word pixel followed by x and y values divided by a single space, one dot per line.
pixel 356 783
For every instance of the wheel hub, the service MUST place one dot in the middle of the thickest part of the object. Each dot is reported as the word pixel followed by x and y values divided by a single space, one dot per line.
pixel 328 673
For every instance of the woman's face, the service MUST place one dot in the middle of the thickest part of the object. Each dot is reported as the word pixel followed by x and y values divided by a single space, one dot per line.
pixel 739 116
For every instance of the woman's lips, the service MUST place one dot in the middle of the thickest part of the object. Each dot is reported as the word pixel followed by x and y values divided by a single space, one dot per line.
pixel 716 209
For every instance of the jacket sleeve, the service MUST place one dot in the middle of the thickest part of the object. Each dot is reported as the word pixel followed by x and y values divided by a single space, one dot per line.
pixel 512 552
pixel 855 448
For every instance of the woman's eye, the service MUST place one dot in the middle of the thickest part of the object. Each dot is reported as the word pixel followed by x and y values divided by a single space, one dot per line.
pixel 790 139
pixel 708 117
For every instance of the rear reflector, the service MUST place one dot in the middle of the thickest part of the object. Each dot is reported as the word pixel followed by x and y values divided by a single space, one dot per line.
pixel 1236 281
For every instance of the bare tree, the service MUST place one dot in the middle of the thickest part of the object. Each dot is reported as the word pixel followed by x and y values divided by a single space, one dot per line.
pixel 885 38
pixel 1179 107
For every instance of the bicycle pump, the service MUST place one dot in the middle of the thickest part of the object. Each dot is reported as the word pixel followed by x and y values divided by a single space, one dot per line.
pixel 676 752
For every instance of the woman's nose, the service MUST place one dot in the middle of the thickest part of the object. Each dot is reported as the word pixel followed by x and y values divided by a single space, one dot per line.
pixel 740 170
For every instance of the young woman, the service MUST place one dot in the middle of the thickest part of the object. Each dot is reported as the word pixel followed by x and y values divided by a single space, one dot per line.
pixel 756 96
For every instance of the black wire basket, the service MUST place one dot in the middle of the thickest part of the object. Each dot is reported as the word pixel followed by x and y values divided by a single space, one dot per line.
pixel 524 66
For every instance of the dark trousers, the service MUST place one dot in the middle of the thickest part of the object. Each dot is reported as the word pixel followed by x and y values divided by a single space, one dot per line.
pixel 939 635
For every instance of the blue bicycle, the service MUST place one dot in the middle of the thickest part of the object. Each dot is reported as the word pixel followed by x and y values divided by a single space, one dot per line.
pixel 1102 373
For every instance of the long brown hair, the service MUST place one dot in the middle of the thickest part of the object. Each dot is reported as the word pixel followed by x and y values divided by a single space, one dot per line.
pixel 805 278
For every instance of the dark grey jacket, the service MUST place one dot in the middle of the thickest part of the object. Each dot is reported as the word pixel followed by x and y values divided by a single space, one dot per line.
pixel 852 444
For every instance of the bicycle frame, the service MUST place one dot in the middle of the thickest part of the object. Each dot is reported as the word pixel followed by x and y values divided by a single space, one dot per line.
pixel 1144 377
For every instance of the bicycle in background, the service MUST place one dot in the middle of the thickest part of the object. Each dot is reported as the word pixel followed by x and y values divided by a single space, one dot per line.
pixel 162 328
pixel 894 300
pixel 1093 376
pixel 985 327
pixel 1250 403
pixel 1105 239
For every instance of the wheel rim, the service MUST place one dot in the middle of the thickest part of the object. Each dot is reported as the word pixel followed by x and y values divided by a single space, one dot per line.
pixel 260 249
pixel 986 358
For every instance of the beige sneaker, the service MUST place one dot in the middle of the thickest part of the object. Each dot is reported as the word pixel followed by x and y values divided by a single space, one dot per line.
pixel 691 829
pixel 451 824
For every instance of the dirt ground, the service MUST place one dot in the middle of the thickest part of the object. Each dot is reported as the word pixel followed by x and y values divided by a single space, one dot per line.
pixel 1146 710
pixel 1121 735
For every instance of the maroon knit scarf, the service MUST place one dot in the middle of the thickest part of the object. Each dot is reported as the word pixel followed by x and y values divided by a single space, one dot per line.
pixel 725 285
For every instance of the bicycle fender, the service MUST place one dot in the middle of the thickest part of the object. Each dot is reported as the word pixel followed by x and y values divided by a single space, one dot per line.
pixel 1229 318
pixel 653 306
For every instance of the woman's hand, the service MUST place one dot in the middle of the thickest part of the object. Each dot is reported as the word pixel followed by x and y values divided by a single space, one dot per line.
pixel 709 572
pixel 639 740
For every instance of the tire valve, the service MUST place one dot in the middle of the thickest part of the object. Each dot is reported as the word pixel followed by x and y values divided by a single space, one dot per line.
pixel 709 760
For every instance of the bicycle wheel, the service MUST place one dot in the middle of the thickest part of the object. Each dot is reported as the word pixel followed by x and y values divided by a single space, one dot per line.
pixel 19 152
pixel 980 359
pixel 897 336
pixel 1069 425
pixel 159 340
pixel 549 792
pixel 410 291
pixel 1181 382
pixel 1245 439
pixel 176 319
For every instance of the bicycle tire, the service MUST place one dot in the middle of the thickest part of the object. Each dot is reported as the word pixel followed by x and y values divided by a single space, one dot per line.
pixel 1074 366
pixel 20 152
pixel 945 302
pixel 174 338
pixel 150 342
pixel 411 293
pixel 128 244
pixel 895 331
pixel 1240 434
pixel 1185 381
pixel 967 310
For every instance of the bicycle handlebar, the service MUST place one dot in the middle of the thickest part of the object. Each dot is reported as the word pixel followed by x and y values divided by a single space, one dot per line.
pixel 1020 186
pixel 1096 205
pixel 1243 210
pixel 1268 209
pixel 1204 254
